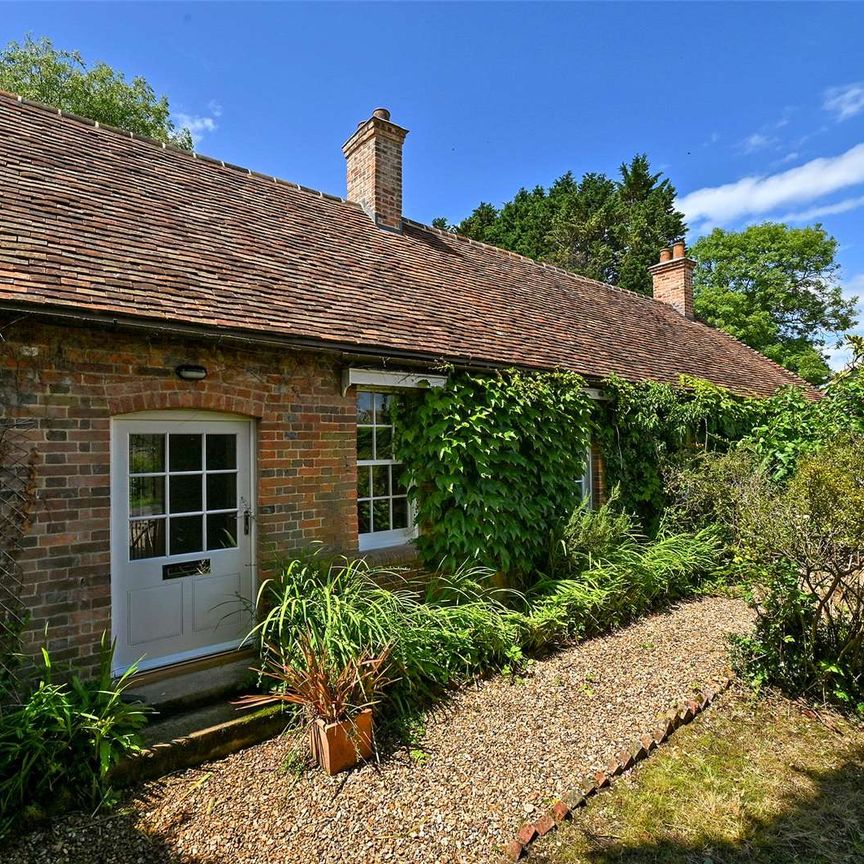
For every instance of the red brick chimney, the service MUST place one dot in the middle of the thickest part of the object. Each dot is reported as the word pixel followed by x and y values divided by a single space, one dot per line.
pixel 374 156
pixel 673 279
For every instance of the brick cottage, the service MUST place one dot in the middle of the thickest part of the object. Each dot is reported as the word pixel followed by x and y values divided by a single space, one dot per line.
pixel 202 358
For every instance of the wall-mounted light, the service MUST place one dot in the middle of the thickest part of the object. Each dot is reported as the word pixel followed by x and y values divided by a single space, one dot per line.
pixel 189 372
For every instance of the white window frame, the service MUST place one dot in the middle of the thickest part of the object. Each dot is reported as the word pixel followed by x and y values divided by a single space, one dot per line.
pixel 395 536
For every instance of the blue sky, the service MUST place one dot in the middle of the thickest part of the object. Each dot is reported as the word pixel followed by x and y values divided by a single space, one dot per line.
pixel 755 111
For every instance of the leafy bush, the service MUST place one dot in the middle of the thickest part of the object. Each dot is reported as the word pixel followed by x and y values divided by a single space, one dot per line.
pixel 801 544
pixel 793 425
pixel 590 535
pixel 645 427
pixel 445 628
pixel 57 748
pixel 494 463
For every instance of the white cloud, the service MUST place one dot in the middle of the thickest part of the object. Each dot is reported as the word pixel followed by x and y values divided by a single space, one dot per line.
pixel 854 287
pixel 843 206
pixel 756 195
pixel 755 142
pixel 838 358
pixel 199 125
pixel 844 102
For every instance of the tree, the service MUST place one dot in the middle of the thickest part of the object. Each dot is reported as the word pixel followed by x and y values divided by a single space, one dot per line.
pixel 775 288
pixel 39 71
pixel 602 228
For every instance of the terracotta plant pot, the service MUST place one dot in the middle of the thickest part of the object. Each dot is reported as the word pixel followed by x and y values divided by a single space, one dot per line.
pixel 339 746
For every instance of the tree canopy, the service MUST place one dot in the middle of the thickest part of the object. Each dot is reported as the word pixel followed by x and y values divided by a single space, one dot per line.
pixel 775 288
pixel 603 228
pixel 36 70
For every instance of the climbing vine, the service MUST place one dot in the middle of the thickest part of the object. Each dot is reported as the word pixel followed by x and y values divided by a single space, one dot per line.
pixel 494 462
pixel 641 427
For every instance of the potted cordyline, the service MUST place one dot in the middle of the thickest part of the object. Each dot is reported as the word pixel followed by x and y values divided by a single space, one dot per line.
pixel 337 701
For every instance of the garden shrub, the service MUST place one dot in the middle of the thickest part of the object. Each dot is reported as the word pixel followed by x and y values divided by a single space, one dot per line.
pixel 793 425
pixel 801 544
pixel 58 746
pixel 590 535
pixel 647 427
pixel 494 463
pixel 447 628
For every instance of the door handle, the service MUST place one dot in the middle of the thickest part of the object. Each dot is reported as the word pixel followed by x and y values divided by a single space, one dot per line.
pixel 247 516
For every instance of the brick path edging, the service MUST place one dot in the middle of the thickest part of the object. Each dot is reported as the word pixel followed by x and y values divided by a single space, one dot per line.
pixel 563 809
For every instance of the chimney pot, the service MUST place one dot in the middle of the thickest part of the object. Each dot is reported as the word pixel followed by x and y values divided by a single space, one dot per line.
pixel 374 162
pixel 679 250
pixel 665 254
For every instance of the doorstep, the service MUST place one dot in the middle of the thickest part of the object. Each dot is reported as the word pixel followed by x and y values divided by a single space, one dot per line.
pixel 199 736
pixel 194 719
pixel 185 687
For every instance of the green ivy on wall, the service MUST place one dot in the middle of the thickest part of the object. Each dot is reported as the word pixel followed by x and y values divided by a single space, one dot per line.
pixel 494 462
pixel 641 426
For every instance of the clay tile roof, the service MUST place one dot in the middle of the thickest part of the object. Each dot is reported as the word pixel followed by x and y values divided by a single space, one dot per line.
pixel 100 222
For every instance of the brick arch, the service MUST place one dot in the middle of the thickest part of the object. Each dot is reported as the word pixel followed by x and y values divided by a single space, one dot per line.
pixel 206 397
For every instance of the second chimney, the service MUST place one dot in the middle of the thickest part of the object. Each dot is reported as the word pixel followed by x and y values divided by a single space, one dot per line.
pixel 374 156
pixel 673 279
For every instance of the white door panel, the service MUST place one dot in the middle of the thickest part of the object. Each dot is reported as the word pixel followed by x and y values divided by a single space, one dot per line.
pixel 181 537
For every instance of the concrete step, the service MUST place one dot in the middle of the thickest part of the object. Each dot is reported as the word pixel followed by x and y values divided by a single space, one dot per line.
pixel 198 736
pixel 193 720
pixel 181 691
pixel 184 724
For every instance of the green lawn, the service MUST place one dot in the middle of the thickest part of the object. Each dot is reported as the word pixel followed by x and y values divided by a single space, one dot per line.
pixel 750 781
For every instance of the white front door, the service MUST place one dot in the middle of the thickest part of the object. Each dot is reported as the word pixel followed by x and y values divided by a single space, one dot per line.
pixel 181 537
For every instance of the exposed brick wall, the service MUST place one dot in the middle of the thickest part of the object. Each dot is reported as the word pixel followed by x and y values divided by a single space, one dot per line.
pixel 673 284
pixel 374 163
pixel 72 381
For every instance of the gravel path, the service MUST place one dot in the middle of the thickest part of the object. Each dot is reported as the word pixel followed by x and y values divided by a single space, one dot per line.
pixel 496 755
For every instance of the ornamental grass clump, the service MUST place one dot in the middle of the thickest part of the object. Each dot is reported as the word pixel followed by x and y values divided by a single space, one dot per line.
pixel 436 635
pixel 604 575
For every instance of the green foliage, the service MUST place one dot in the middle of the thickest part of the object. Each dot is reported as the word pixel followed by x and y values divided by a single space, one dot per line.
pixel 589 536
pixel 775 288
pixel 645 428
pixel 800 540
pixel 57 748
pixel 448 627
pixel 459 627
pixel 606 229
pixel 793 425
pixel 39 71
pixel 493 463
pixel 591 595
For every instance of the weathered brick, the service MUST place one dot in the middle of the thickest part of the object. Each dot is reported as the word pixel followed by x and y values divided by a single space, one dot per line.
pixel 66 554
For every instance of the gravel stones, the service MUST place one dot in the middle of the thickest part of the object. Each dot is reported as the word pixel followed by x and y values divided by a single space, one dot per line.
pixel 490 753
